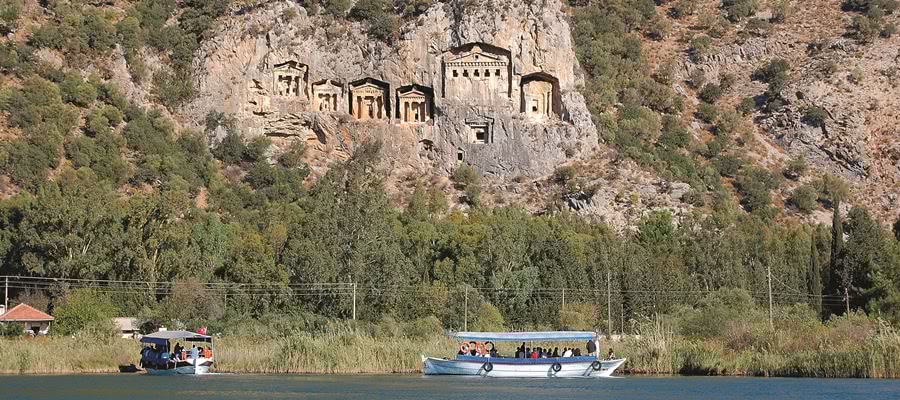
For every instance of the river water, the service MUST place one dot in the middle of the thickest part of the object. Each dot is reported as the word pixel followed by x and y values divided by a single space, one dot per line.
pixel 74 387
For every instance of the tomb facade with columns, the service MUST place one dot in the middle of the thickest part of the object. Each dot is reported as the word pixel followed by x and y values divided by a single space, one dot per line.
pixel 369 100
pixel 289 79
pixel 327 96
pixel 414 104
pixel 477 73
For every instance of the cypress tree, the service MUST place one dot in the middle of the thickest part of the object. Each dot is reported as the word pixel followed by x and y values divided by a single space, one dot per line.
pixel 814 278
pixel 838 278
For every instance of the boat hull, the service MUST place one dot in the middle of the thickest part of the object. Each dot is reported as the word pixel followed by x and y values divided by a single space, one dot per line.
pixel 183 368
pixel 506 368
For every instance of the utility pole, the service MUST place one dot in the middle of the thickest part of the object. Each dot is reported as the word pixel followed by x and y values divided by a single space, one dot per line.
pixel 564 298
pixel 609 305
pixel 466 312
pixel 225 302
pixel 769 270
pixel 847 299
pixel 354 301
pixel 6 295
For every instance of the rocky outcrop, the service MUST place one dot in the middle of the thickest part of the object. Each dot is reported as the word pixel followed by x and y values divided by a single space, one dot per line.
pixel 859 97
pixel 451 90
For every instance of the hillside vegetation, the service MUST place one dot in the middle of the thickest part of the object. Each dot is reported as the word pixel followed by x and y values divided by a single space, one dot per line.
pixel 103 184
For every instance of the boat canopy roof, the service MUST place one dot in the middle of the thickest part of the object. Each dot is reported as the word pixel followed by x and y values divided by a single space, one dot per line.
pixel 163 337
pixel 525 336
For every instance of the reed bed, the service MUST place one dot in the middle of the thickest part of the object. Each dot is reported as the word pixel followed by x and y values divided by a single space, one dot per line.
pixel 854 346
pixel 66 355
pixel 844 350
pixel 327 354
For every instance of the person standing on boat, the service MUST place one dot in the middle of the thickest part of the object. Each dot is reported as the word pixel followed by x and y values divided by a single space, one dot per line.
pixel 177 354
pixel 194 353
pixel 592 348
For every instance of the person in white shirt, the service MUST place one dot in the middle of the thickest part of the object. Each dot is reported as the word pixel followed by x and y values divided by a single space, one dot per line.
pixel 567 353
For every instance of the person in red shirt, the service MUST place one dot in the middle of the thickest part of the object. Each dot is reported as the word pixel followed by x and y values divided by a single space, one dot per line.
pixel 533 354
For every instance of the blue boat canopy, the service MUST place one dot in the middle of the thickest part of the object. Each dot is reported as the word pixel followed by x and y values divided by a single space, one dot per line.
pixel 524 336
pixel 163 337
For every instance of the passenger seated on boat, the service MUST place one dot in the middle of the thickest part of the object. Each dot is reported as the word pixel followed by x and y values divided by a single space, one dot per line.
pixel 520 351
pixel 555 352
pixel 567 353
pixel 472 350
pixel 534 354
pixel 611 355
pixel 577 352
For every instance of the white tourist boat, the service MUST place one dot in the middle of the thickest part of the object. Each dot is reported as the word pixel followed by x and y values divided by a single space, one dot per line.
pixel 511 367
pixel 177 353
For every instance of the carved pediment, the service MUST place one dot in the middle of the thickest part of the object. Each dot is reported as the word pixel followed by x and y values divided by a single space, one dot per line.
pixel 289 67
pixel 327 86
pixel 368 89
pixel 413 94
pixel 477 57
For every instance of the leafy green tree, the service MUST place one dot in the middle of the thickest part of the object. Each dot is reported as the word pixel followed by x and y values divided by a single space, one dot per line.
pixel 466 179
pixel 38 109
pixel 866 254
pixel 83 309
pixel 232 148
pixel 804 198
pixel 755 185
pixel 65 234
pixel 710 93
pixel 487 319
pixel 737 10
pixel 795 168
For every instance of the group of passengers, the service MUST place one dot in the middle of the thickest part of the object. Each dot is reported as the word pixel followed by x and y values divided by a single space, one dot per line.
pixel 478 349
pixel 540 352
pixel 157 355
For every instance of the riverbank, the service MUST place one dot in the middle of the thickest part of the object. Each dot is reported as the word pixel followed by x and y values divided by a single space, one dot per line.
pixel 854 346
pixel 365 354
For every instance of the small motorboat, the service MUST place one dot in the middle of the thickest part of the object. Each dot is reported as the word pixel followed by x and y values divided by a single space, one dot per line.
pixel 177 353
pixel 483 363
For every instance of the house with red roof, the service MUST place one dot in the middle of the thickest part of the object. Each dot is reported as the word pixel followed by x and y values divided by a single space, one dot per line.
pixel 34 321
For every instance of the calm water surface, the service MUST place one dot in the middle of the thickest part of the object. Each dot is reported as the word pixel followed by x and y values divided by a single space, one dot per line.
pixel 431 388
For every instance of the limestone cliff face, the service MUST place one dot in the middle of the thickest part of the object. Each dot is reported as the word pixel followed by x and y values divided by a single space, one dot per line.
pixel 492 86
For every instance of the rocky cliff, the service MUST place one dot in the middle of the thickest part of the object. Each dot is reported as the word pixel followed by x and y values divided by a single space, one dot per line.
pixel 493 86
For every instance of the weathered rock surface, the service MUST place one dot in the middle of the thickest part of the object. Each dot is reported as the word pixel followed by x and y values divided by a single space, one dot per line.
pixel 272 73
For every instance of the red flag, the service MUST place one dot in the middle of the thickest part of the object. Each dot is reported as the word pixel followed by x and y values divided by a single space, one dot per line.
pixel 202 330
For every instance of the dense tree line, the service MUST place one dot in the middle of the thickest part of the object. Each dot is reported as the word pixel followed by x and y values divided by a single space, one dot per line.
pixel 267 229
